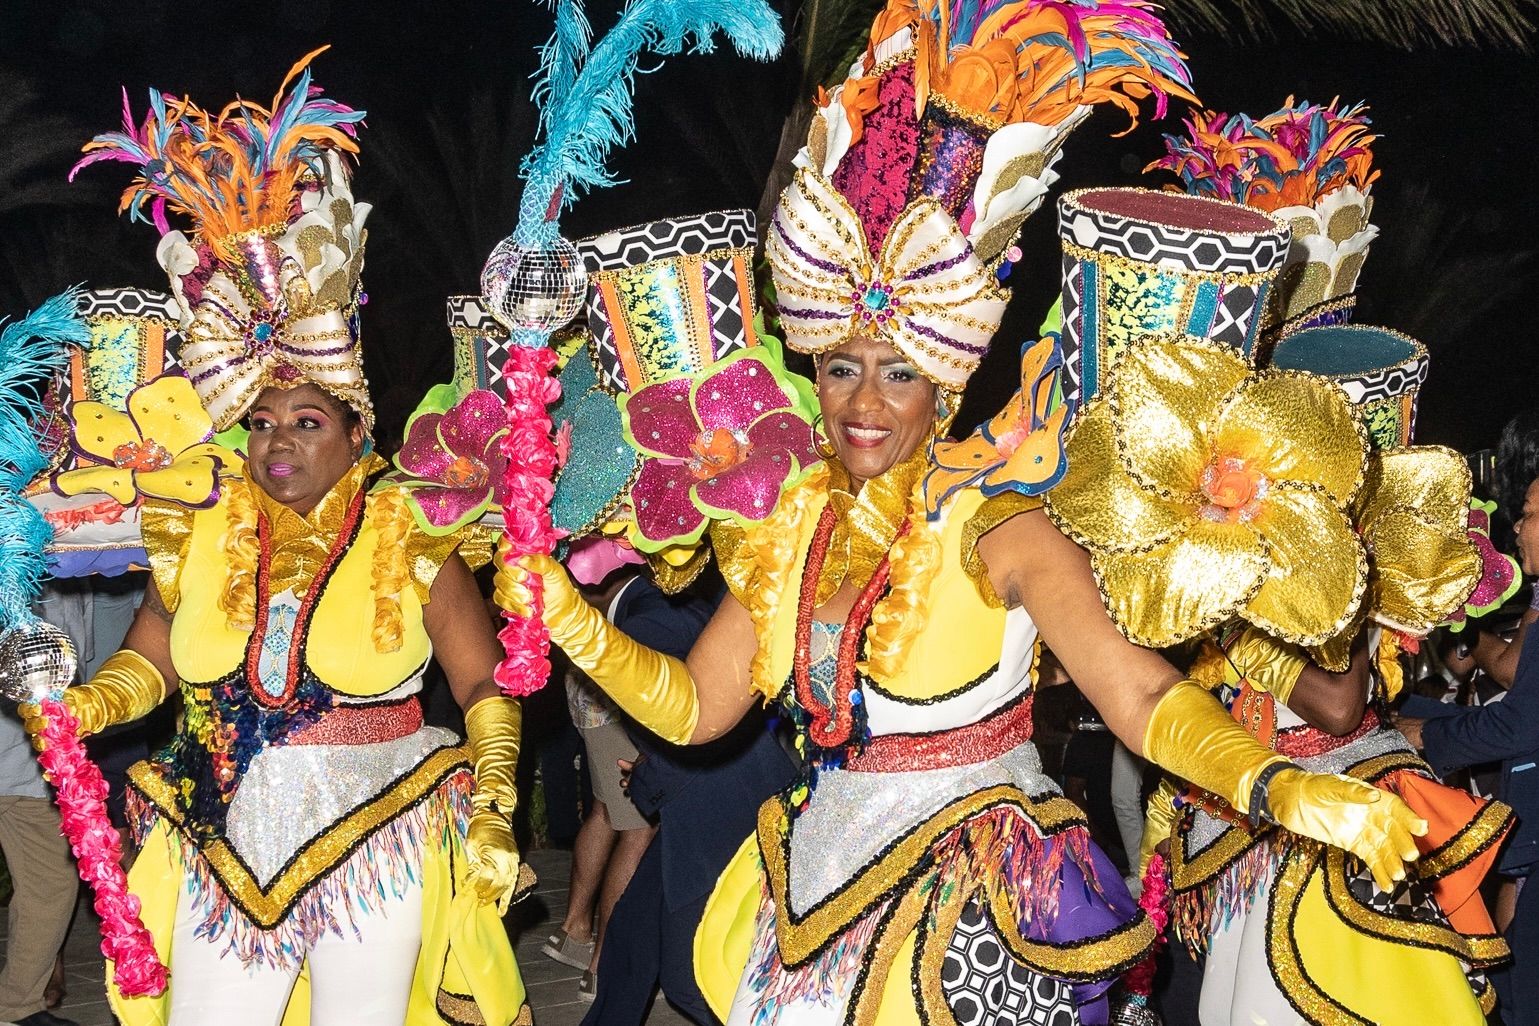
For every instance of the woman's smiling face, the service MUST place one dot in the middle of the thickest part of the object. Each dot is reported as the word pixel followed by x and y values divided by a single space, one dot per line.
pixel 877 408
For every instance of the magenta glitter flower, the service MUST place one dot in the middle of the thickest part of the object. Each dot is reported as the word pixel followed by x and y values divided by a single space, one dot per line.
pixel 452 462
pixel 1499 573
pixel 722 444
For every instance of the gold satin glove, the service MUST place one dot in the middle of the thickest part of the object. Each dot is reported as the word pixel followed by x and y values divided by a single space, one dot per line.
pixel 1270 665
pixel 493 855
pixel 125 688
pixel 493 727
pixel 1191 735
pixel 654 689
pixel 1158 819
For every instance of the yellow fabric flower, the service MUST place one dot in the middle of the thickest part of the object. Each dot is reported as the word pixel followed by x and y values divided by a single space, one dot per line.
pixel 1413 515
pixel 158 447
pixel 1206 490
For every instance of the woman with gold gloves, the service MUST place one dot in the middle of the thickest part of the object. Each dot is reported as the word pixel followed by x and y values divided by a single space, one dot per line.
pixel 1290 931
pixel 309 850
pixel 894 601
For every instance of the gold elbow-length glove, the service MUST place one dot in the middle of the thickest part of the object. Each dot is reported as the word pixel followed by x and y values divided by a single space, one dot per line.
pixel 1192 736
pixel 125 688
pixel 492 727
pixel 654 689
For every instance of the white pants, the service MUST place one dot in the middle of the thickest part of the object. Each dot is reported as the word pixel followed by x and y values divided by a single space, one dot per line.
pixel 353 979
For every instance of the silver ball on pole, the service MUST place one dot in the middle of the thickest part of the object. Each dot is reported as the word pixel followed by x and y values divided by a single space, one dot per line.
pixel 37 660
pixel 534 288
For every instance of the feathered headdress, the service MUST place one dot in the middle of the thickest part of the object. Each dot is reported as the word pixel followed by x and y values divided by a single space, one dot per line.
pixel 269 281
pixel 1309 164
pixel 921 166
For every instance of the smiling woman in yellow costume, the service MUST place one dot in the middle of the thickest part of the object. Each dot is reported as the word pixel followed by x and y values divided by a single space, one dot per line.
pixel 894 601
pixel 310 851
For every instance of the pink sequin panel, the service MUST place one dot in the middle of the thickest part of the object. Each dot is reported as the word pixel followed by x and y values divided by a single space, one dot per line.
pixel 977 742
pixel 363 724
pixel 874 174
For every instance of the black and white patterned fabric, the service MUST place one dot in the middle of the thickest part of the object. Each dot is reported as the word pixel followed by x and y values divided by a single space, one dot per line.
pixel 1411 899
pixel 1169 246
pixel 660 240
pixel 985 986
pixel 481 344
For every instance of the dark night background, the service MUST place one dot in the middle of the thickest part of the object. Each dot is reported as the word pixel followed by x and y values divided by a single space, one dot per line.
pixel 446 86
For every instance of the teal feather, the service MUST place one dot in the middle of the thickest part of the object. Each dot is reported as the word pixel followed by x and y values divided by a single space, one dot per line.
pixel 32 352
pixel 590 110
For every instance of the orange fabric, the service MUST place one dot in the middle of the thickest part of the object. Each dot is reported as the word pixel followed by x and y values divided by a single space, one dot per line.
pixel 1447 811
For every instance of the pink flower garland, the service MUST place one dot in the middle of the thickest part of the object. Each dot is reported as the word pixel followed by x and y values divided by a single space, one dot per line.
pixel 1139 980
pixel 81 796
pixel 527 492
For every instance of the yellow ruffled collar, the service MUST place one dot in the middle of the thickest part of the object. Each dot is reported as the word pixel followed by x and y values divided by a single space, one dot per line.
pixel 868 522
pixel 323 523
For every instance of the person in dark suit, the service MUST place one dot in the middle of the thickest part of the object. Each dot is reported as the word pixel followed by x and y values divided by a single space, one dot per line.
pixel 705 800
pixel 1507 730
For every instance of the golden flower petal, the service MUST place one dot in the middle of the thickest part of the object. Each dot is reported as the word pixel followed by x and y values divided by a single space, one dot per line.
pixel 191 481
pixel 168 411
pixel 1318 568
pixel 1098 504
pixel 113 481
pixel 1295 427
pixel 1432 480
pixel 1189 584
pixel 1422 572
pixel 1164 396
pixel 99 429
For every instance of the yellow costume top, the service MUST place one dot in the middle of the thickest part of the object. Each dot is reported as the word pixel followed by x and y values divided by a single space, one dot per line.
pixel 302 784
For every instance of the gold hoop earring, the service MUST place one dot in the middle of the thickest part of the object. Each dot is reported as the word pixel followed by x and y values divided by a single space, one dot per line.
pixel 820 442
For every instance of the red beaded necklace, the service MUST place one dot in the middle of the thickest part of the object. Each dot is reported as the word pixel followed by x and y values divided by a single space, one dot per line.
pixel 306 605
pixel 832 723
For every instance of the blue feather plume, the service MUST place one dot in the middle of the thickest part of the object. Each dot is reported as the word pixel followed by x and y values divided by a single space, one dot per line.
pixel 590 110
pixel 32 352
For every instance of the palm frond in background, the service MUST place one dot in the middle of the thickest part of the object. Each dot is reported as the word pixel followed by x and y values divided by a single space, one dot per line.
pixel 1404 24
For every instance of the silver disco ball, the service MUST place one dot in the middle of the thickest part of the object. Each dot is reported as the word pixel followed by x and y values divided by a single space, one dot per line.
pixel 36 660
pixel 534 288
pixel 1133 1012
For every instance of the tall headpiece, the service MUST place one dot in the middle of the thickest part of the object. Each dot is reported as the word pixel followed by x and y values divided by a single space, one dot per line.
pixel 1140 265
pixel 1309 165
pixel 268 284
pixel 921 166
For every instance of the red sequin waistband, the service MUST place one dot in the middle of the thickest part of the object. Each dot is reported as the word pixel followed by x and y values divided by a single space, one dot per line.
pixel 363 724
pixel 989 738
pixel 1302 742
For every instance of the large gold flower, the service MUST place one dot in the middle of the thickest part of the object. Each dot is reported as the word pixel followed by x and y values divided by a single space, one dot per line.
pixel 1413 516
pixel 1206 490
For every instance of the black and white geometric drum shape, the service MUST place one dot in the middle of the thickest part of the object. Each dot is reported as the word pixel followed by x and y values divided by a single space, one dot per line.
pixel 1183 233
pixel 480 344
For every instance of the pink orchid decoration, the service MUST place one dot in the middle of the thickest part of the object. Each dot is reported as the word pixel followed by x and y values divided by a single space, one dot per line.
pixel 453 461
pixel 719 445
pixel 1499 577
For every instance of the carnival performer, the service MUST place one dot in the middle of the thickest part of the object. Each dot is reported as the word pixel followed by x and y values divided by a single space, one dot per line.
pixel 894 601
pixel 309 850
pixel 1277 918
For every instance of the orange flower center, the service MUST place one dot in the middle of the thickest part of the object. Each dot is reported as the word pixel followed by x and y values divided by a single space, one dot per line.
pixel 142 456
pixel 466 472
pixel 716 451
pixel 1234 490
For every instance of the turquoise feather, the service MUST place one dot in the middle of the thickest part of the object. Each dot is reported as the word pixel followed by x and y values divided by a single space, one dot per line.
pixel 32 352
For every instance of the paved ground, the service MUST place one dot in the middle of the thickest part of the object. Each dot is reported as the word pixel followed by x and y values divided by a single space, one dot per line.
pixel 552 986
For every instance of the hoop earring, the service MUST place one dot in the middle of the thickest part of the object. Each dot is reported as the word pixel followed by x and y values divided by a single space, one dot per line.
pixel 820 443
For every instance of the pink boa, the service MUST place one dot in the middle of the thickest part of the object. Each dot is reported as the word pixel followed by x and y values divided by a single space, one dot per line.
pixel 1139 980
pixel 81 795
pixel 527 490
